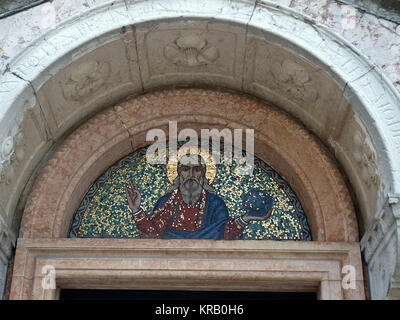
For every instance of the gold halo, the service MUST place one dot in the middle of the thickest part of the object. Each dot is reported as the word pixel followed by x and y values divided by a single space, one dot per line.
pixel 172 165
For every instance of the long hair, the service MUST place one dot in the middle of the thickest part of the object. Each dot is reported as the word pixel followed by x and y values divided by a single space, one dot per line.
pixel 205 185
pixel 176 183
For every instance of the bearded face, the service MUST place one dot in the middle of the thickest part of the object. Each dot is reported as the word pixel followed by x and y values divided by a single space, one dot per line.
pixel 191 180
pixel 191 176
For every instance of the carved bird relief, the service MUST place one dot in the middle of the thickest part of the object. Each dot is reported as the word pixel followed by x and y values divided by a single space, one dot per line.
pixel 190 51
pixel 85 80
pixel 295 80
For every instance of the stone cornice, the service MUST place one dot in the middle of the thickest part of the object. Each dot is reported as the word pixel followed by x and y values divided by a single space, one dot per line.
pixel 201 263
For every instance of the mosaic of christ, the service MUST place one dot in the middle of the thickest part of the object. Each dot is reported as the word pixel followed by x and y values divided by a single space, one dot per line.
pixel 190 208
pixel 190 198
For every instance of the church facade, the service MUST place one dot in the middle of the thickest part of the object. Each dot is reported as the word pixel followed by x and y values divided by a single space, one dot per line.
pixel 83 207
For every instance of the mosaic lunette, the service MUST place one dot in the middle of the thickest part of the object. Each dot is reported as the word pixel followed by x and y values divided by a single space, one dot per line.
pixel 104 211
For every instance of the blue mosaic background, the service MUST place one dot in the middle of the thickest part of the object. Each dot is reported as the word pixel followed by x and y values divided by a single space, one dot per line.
pixel 104 211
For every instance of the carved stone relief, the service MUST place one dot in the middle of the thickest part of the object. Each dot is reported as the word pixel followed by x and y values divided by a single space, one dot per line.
pixel 294 80
pixel 374 236
pixel 95 77
pixel 179 52
pixel 7 241
pixel 295 84
pixel 380 249
pixel 286 77
pixel 12 149
pixel 379 246
pixel 365 158
pixel 6 148
pixel 85 80
pixel 7 174
pixel 19 146
pixel 191 51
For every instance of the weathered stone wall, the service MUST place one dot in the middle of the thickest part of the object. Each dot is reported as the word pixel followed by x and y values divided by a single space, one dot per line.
pixel 386 9
pixel 375 37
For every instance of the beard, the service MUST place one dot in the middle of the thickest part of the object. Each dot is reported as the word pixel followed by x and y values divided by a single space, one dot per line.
pixel 190 189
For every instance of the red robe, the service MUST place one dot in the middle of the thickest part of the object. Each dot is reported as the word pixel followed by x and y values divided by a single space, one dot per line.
pixel 174 214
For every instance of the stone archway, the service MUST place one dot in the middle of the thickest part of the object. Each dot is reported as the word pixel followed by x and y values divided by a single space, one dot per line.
pixel 119 130
pixel 83 66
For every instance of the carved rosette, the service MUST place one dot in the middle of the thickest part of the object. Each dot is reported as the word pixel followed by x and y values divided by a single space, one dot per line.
pixel 85 80
pixel 191 51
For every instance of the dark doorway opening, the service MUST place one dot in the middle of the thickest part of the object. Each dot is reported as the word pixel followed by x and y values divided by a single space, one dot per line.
pixel 151 295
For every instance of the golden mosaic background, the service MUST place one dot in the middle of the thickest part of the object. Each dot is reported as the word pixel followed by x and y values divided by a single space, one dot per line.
pixel 104 210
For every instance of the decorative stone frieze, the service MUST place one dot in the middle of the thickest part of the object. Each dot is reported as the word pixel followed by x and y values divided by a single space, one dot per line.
pixel 195 52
